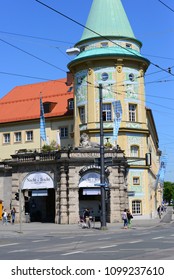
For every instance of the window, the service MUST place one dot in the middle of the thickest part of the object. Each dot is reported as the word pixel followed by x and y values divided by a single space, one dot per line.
pixel 71 104
pixel 136 207
pixel 17 137
pixel 104 76
pixel 131 77
pixel 132 112
pixel 104 44
pixel 106 112
pixel 128 45
pixel 82 114
pixel 136 180
pixel 29 135
pixel 63 132
pixel 6 138
pixel 134 151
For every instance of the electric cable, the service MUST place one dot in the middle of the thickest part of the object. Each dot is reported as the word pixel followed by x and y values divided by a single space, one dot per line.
pixel 101 36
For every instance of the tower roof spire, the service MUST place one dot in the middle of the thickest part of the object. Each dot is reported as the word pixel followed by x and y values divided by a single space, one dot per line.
pixel 107 18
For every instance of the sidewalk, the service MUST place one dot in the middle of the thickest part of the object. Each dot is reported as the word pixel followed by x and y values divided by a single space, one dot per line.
pixel 54 229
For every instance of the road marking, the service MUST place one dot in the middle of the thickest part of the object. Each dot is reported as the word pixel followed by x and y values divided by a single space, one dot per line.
pixel 18 251
pixel 109 246
pixel 10 244
pixel 68 237
pixel 159 237
pixel 72 253
pixel 136 241
pixel 106 238
pixel 40 240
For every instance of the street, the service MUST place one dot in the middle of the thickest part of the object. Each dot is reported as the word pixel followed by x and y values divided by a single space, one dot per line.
pixel 70 242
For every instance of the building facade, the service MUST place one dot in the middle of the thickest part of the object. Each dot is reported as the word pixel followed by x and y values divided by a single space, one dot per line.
pixel 108 58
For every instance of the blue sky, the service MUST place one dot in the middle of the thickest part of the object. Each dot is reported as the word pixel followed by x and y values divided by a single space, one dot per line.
pixel 22 23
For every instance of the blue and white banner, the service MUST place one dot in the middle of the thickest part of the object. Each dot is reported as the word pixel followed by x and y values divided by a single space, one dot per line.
pixel 42 122
pixel 117 118
pixel 162 168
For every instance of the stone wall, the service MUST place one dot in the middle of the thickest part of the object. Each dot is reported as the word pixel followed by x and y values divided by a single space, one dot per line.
pixel 66 169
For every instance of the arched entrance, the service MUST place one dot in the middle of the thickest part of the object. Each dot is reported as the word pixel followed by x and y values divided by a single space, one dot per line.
pixel 90 194
pixel 39 197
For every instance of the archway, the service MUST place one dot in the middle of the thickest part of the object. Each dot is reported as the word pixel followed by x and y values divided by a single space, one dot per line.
pixel 90 194
pixel 39 197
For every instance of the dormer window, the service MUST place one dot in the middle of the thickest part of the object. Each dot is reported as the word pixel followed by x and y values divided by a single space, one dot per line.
pixel 48 106
pixel 71 104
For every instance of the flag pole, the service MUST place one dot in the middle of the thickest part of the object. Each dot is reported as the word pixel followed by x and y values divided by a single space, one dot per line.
pixel 42 123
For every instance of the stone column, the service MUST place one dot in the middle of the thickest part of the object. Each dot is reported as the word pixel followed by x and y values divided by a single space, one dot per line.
pixel 114 196
pixel 73 196
pixel 63 213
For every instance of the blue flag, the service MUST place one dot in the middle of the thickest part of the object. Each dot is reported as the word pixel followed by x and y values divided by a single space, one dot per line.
pixel 117 118
pixel 42 122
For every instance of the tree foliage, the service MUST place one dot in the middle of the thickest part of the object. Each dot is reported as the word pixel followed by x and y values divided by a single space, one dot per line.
pixel 168 193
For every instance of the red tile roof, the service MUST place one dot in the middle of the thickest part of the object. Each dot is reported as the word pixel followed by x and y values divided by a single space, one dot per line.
pixel 23 102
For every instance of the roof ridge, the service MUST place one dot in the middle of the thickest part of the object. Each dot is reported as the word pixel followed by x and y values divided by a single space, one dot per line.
pixel 34 98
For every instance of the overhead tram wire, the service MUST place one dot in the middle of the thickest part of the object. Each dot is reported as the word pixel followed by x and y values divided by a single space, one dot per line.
pixel 166 5
pixel 71 43
pixel 104 37
pixel 32 55
pixel 30 77
pixel 35 37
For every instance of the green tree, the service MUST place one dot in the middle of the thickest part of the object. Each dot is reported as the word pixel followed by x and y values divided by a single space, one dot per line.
pixel 168 193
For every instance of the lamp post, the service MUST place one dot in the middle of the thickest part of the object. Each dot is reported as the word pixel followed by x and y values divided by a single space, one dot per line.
pixel 102 170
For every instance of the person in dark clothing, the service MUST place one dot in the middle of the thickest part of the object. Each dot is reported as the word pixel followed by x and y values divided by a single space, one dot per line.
pixel 86 216
pixel 129 218
pixel 159 211
pixel 13 212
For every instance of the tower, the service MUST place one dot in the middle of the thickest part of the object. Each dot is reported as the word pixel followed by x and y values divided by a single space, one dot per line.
pixel 109 54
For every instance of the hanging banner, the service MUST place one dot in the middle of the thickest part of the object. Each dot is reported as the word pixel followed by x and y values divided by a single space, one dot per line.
pixel 42 122
pixel 162 169
pixel 117 118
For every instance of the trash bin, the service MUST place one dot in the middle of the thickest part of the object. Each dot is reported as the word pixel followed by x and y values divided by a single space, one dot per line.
pixel 27 217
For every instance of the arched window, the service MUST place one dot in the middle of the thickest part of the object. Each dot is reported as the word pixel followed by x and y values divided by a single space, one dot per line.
pixel 137 207
pixel 134 151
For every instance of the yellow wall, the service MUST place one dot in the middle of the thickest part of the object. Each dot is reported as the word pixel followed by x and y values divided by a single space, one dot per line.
pixel 6 150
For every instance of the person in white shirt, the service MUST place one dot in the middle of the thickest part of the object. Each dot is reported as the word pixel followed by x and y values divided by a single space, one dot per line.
pixel 4 220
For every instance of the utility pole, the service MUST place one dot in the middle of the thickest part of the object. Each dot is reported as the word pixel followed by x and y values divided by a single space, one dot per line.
pixel 102 170
pixel 20 210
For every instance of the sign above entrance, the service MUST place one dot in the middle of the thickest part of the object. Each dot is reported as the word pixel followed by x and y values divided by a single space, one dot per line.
pixel 37 180
pixel 89 180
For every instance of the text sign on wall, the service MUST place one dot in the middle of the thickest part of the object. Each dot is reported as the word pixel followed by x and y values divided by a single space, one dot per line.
pixel 38 180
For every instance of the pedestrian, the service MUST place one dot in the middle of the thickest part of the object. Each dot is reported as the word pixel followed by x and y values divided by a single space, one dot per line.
pixel 159 211
pixel 124 218
pixel 129 218
pixel 4 217
pixel 13 213
pixel 86 216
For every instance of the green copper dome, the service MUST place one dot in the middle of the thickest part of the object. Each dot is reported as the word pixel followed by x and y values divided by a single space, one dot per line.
pixel 107 18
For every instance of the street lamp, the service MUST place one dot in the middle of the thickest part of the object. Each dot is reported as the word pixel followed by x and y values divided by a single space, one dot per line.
pixel 102 170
